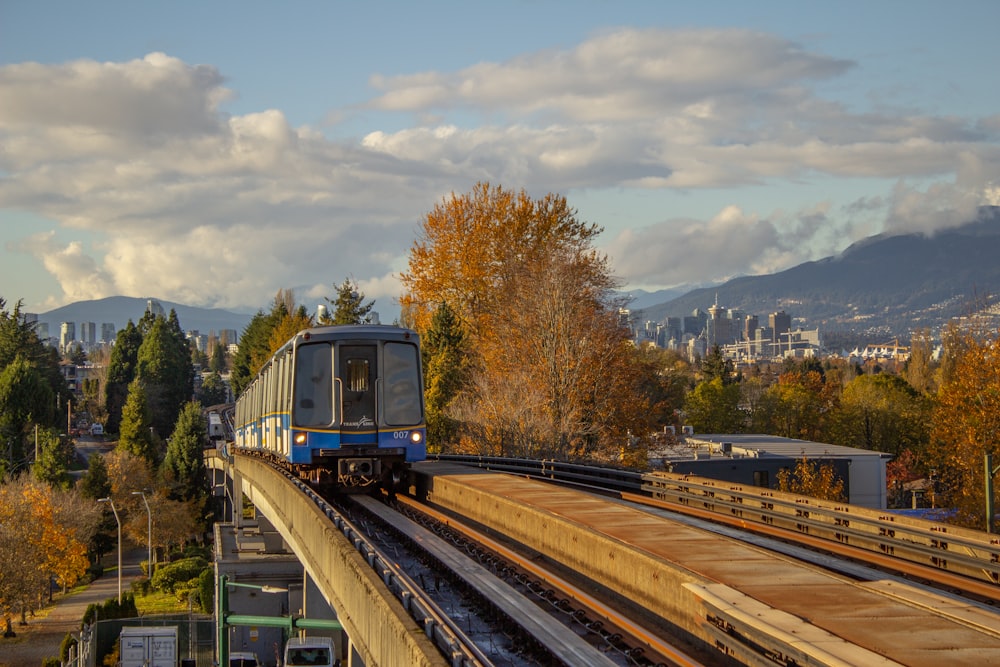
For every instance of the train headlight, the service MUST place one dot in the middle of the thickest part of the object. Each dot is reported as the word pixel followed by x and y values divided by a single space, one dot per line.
pixel 416 437
pixel 299 438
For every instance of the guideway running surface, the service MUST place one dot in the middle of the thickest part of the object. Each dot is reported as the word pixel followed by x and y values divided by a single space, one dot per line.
pixel 649 559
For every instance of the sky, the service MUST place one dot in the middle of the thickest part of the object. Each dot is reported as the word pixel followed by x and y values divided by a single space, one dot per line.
pixel 214 153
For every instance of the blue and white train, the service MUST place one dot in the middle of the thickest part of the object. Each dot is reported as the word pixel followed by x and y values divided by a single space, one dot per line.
pixel 339 406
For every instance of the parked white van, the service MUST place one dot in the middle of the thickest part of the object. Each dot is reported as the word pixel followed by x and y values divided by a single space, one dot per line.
pixel 310 651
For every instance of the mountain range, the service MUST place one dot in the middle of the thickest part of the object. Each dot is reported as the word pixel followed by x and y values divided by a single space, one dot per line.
pixel 882 287
pixel 118 310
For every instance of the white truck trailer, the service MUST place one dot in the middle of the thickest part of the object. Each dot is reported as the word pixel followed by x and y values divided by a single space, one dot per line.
pixel 148 646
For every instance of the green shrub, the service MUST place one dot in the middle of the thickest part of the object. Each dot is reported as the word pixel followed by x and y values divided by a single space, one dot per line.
pixel 67 643
pixel 206 590
pixel 171 576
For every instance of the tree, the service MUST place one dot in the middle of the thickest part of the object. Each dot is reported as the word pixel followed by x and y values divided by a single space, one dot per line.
pixel 213 390
pixel 350 306
pixel 183 468
pixel 121 372
pixel 520 274
pixel 254 337
pixel 23 392
pixel 716 365
pixel 812 479
pixel 39 537
pixel 920 366
pixel 445 360
pixel 257 342
pixel 55 456
pixel 135 430
pixel 799 405
pixel 95 483
pixel 217 356
pixel 714 407
pixel 966 422
pixel 471 246
pixel 665 376
pixel 882 413
pixel 163 364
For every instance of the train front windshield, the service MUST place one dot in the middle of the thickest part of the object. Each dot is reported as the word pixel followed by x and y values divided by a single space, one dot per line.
pixel 313 385
pixel 398 386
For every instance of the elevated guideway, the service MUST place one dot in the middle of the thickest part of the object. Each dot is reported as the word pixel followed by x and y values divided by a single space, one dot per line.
pixel 379 628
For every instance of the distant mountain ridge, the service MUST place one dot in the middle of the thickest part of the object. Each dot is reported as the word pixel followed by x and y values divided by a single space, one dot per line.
pixel 118 310
pixel 885 285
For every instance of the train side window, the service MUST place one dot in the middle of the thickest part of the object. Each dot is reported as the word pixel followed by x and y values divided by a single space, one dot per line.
pixel 313 385
pixel 402 384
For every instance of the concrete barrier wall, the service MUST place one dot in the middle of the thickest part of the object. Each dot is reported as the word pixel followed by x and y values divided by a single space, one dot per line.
pixel 379 628
pixel 650 582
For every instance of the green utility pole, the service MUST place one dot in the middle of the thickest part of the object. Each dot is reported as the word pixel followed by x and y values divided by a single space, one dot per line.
pixel 224 619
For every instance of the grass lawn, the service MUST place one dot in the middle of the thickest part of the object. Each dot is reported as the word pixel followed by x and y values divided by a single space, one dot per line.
pixel 160 603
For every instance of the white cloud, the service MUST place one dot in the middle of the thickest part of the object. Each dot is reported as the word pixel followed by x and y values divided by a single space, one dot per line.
pixel 192 204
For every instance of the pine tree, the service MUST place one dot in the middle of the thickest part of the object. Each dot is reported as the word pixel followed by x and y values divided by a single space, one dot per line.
pixel 445 373
pixel 349 307
pixel 163 363
pixel 121 372
pixel 183 466
pixel 96 483
pixel 52 466
pixel 134 433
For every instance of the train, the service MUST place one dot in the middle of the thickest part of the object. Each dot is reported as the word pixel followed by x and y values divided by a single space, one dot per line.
pixel 341 407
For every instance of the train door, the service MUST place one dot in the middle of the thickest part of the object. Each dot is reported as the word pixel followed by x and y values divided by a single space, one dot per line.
pixel 357 377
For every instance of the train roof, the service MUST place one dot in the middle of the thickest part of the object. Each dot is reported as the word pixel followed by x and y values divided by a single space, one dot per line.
pixel 341 331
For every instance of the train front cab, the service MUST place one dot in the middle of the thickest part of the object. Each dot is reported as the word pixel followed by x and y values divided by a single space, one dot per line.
pixel 357 410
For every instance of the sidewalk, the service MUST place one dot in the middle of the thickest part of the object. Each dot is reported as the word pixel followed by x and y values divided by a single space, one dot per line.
pixel 43 635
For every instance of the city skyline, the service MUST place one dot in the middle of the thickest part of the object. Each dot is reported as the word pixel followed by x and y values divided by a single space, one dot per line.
pixel 213 156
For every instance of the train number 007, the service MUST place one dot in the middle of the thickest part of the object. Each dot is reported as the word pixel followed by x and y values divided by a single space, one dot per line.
pixel 400 435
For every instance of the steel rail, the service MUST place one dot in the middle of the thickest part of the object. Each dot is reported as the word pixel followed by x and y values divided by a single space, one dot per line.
pixel 613 618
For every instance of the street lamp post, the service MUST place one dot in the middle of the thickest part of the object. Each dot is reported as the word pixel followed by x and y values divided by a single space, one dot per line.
pixel 149 534
pixel 119 522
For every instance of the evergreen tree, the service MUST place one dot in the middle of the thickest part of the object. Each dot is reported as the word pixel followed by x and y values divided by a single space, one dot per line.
pixel 31 386
pixel 121 372
pixel 350 306
pixel 217 359
pixel 444 351
pixel 213 390
pixel 253 345
pixel 22 391
pixel 163 363
pixel 52 466
pixel 716 365
pixel 96 483
pixel 183 467
pixel 134 434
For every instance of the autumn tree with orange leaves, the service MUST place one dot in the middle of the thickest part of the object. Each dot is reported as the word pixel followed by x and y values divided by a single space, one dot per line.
pixel 551 373
pixel 966 424
pixel 43 534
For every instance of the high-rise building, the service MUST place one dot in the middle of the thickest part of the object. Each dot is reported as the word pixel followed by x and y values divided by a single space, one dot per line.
pixel 153 306
pixel 88 333
pixel 67 334
pixel 108 332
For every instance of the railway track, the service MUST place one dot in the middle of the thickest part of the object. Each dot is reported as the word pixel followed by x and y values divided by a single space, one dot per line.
pixel 563 623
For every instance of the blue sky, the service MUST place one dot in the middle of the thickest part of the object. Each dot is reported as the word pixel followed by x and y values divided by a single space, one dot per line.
pixel 215 153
